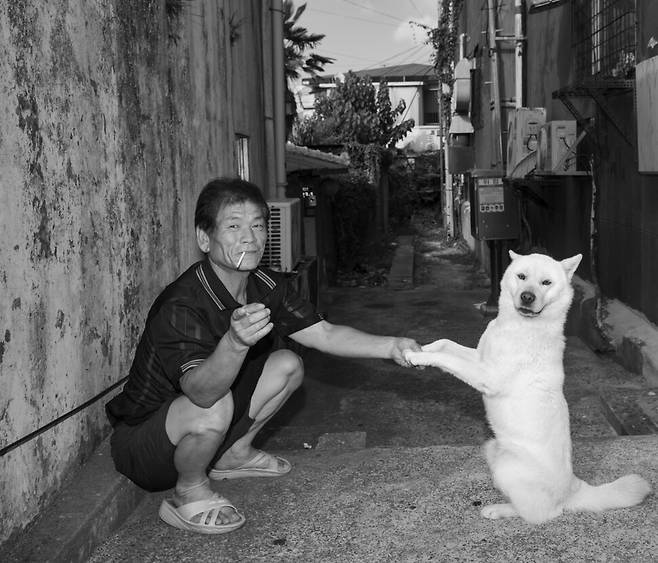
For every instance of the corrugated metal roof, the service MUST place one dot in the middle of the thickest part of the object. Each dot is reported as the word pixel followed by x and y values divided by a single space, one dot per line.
pixel 394 73
pixel 303 158
pixel 408 71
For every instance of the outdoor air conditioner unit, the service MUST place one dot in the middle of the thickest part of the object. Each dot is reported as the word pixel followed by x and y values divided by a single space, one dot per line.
pixel 556 150
pixel 523 135
pixel 283 249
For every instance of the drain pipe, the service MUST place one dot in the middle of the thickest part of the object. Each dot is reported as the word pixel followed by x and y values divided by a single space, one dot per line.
pixel 519 37
pixel 279 84
pixel 496 131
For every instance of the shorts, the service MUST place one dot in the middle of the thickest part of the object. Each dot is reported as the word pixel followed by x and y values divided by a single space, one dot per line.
pixel 144 453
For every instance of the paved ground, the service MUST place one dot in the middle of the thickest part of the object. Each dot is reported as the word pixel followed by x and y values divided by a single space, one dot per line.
pixel 401 505
pixel 387 460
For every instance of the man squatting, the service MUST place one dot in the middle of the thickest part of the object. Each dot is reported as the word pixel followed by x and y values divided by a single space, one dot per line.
pixel 209 370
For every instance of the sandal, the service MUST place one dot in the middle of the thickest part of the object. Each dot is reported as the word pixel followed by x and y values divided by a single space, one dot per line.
pixel 181 516
pixel 261 465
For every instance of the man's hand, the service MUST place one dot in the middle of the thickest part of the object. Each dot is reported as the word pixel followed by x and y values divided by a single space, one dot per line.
pixel 399 347
pixel 249 324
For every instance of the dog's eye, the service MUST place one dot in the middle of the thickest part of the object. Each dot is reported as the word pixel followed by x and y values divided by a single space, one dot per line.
pixel 546 282
pixel 520 276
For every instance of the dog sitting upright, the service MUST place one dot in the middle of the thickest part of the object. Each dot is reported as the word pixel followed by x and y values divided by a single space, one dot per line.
pixel 518 367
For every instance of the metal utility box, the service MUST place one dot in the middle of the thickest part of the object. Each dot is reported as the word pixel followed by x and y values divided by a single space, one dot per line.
pixel 495 213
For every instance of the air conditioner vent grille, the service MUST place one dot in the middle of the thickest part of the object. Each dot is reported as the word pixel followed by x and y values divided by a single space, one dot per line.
pixel 283 246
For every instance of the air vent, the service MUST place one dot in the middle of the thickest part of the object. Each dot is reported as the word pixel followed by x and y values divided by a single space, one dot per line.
pixel 283 247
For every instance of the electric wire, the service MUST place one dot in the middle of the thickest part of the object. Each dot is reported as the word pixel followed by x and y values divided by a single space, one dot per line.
pixel 368 8
pixel 355 18
pixel 415 8
pixel 401 53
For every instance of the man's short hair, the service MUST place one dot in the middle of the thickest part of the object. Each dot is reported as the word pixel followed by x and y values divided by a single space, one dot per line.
pixel 219 193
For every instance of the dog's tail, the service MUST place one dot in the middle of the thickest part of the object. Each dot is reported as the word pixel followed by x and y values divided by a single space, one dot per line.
pixel 624 492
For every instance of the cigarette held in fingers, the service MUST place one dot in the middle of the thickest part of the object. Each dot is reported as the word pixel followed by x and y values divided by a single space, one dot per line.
pixel 241 258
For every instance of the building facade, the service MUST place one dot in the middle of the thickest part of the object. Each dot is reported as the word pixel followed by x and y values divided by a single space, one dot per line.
pixel 560 108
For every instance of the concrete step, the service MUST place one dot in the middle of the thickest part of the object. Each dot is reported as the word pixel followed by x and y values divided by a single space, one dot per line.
pixel 94 503
pixel 401 274
pixel 631 412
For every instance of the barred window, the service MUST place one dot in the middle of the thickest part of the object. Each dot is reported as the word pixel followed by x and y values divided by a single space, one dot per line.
pixel 604 36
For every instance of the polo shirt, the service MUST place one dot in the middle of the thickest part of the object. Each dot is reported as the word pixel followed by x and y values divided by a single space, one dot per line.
pixel 184 325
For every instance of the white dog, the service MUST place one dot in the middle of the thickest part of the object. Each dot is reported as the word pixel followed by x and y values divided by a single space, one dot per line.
pixel 517 366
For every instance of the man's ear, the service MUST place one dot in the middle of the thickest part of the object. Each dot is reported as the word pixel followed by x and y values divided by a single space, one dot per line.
pixel 203 240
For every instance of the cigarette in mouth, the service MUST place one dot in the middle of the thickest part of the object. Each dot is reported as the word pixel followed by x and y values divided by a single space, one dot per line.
pixel 240 260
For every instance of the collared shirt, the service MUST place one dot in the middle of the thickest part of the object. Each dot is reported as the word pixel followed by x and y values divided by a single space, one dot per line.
pixel 186 322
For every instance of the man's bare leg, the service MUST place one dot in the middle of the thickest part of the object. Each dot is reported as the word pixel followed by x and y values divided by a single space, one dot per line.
pixel 197 434
pixel 283 373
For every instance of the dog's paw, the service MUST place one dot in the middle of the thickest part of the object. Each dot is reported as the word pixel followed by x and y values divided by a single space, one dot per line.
pixel 496 511
pixel 409 356
pixel 436 346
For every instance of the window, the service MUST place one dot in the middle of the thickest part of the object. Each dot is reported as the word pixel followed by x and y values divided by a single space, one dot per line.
pixel 430 106
pixel 241 154
pixel 542 3
pixel 604 39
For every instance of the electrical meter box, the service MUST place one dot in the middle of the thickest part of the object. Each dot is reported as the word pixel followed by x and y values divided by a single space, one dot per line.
pixel 495 213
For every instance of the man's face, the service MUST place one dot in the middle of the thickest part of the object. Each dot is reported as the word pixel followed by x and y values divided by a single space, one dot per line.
pixel 239 227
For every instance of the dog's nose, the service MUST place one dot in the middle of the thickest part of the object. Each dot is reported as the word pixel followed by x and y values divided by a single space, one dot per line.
pixel 527 297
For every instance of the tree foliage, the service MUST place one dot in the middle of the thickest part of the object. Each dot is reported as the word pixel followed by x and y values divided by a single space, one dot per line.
pixel 355 112
pixel 443 40
pixel 297 41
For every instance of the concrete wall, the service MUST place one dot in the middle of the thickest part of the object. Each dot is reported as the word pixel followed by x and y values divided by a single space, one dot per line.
pixel 109 126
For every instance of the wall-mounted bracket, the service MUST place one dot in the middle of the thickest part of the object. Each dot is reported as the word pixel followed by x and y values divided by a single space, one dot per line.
pixel 597 91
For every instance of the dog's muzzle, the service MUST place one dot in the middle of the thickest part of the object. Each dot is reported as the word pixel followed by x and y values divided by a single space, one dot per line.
pixel 527 298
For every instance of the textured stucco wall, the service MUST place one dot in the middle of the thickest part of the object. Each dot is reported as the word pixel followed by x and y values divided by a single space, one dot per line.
pixel 108 129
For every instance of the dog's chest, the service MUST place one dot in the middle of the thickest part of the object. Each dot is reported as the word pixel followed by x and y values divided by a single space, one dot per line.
pixel 523 361
pixel 511 347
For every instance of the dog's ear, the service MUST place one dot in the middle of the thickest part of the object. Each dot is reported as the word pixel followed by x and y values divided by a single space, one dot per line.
pixel 513 255
pixel 570 264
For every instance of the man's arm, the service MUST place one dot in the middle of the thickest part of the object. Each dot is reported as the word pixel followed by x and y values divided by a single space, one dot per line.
pixel 210 381
pixel 349 342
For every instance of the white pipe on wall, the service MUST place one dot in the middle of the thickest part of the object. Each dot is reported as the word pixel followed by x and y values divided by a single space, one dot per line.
pixel 279 98
pixel 519 32
pixel 267 181
pixel 496 131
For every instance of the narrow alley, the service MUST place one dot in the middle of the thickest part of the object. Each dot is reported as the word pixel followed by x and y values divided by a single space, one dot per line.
pixel 387 462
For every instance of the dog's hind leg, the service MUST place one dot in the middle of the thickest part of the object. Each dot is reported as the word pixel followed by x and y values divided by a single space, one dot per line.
pixel 495 511
pixel 520 481
pixel 533 502
pixel 528 505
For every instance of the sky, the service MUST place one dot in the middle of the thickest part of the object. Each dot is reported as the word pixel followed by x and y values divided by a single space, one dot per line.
pixel 363 34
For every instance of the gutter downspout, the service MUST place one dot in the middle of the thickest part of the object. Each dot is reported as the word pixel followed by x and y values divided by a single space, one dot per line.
pixel 279 84
pixel 519 37
pixel 496 131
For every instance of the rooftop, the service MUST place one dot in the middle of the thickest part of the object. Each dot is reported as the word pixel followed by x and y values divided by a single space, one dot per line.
pixel 395 73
